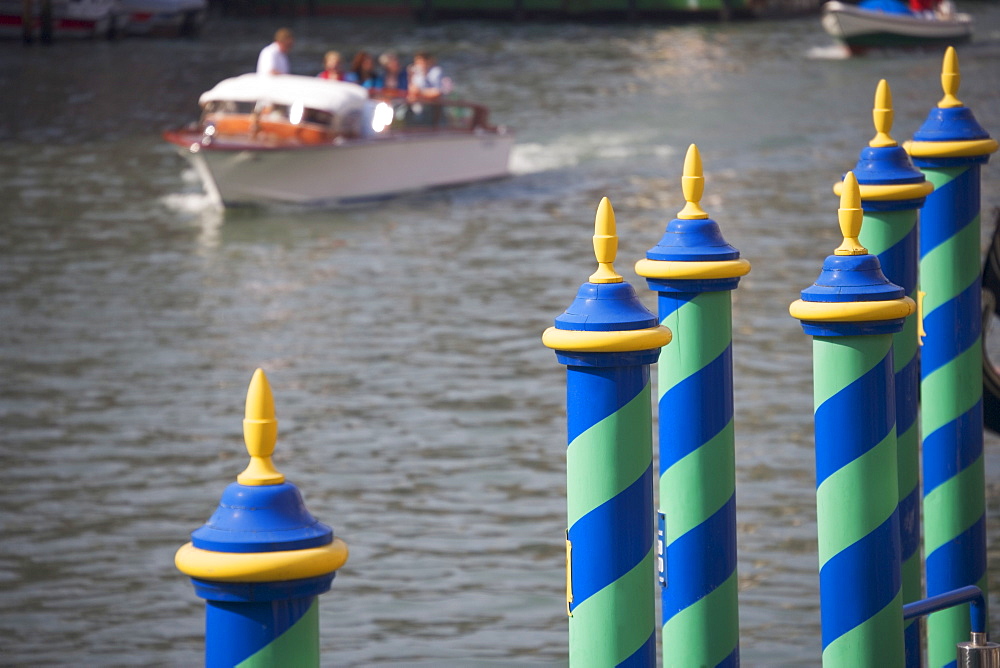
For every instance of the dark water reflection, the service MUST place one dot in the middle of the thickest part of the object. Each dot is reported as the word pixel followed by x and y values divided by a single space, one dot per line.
pixel 419 413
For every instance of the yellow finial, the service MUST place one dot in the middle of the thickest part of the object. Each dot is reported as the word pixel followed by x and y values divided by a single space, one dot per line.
pixel 882 114
pixel 605 244
pixel 260 431
pixel 692 185
pixel 950 79
pixel 850 215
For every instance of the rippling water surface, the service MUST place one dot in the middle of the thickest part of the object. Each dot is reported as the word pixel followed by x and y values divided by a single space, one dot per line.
pixel 419 413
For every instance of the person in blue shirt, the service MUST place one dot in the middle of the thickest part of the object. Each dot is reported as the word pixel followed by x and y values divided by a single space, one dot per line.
pixel 394 80
pixel 363 71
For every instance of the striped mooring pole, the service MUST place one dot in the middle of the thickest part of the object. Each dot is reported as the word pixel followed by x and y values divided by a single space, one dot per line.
pixel 851 311
pixel 949 148
pixel 261 559
pixel 694 272
pixel 892 191
pixel 607 339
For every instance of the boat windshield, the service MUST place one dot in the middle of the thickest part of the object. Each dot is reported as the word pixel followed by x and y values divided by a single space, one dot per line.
pixel 296 114
pixel 425 116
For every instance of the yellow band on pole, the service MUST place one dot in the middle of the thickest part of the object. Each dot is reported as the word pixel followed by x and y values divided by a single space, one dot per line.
pixel 260 566
pixel 852 311
pixel 890 192
pixel 572 340
pixel 692 270
pixel 951 149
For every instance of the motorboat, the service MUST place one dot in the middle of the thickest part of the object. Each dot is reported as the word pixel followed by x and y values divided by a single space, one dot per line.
pixel 60 18
pixel 890 23
pixel 305 140
pixel 174 17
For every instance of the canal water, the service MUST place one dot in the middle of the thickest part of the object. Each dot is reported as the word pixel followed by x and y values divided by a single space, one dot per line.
pixel 419 413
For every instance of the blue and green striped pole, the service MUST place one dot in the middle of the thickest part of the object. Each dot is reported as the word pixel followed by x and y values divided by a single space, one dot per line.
pixel 892 191
pixel 261 559
pixel 607 339
pixel 852 311
pixel 694 271
pixel 949 148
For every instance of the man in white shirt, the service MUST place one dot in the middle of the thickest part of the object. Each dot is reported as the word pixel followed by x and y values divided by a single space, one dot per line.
pixel 427 82
pixel 273 58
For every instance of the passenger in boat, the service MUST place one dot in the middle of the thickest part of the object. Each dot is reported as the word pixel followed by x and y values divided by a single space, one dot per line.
pixel 393 75
pixel 331 67
pixel 427 82
pixel 363 71
pixel 273 58
pixel 923 7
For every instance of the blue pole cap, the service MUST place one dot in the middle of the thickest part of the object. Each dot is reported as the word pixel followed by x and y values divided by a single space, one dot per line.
pixel 852 278
pixel 261 518
pixel 950 124
pixel 851 296
pixel 260 512
pixel 885 165
pixel 606 307
pixel 698 240
pixel 606 303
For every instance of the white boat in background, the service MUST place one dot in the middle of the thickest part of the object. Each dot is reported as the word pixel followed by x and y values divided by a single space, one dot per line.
pixel 68 18
pixel 889 23
pixel 175 17
pixel 304 140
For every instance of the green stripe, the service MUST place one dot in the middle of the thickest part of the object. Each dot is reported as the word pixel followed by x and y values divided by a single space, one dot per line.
pixel 610 456
pixel 684 633
pixel 881 230
pixel 612 624
pixel 954 506
pixel 851 503
pixel 950 268
pixel 877 642
pixel 297 647
pixel 841 360
pixel 694 488
pixel 911 578
pixel 702 329
pixel 952 390
pixel 947 628
pixel 939 176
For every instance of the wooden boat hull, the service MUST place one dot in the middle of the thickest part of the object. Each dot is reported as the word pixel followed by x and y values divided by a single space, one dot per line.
pixel 861 29
pixel 347 172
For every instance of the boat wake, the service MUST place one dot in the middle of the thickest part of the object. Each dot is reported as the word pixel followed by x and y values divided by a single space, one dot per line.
pixel 530 158
pixel 828 52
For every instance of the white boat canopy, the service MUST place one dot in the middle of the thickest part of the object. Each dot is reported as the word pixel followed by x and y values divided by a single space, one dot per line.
pixel 335 97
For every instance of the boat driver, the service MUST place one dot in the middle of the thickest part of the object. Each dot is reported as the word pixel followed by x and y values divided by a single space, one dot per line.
pixel 273 58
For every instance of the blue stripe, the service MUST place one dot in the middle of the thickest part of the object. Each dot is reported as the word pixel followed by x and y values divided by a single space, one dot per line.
pixel 952 448
pixel 899 262
pixel 911 641
pixel 669 302
pixel 858 582
pixel 907 395
pixel 707 396
pixel 909 522
pixel 850 423
pixel 606 542
pixel 731 661
pixel 958 562
pixel 644 656
pixel 594 393
pixel 690 575
pixel 949 209
pixel 955 326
